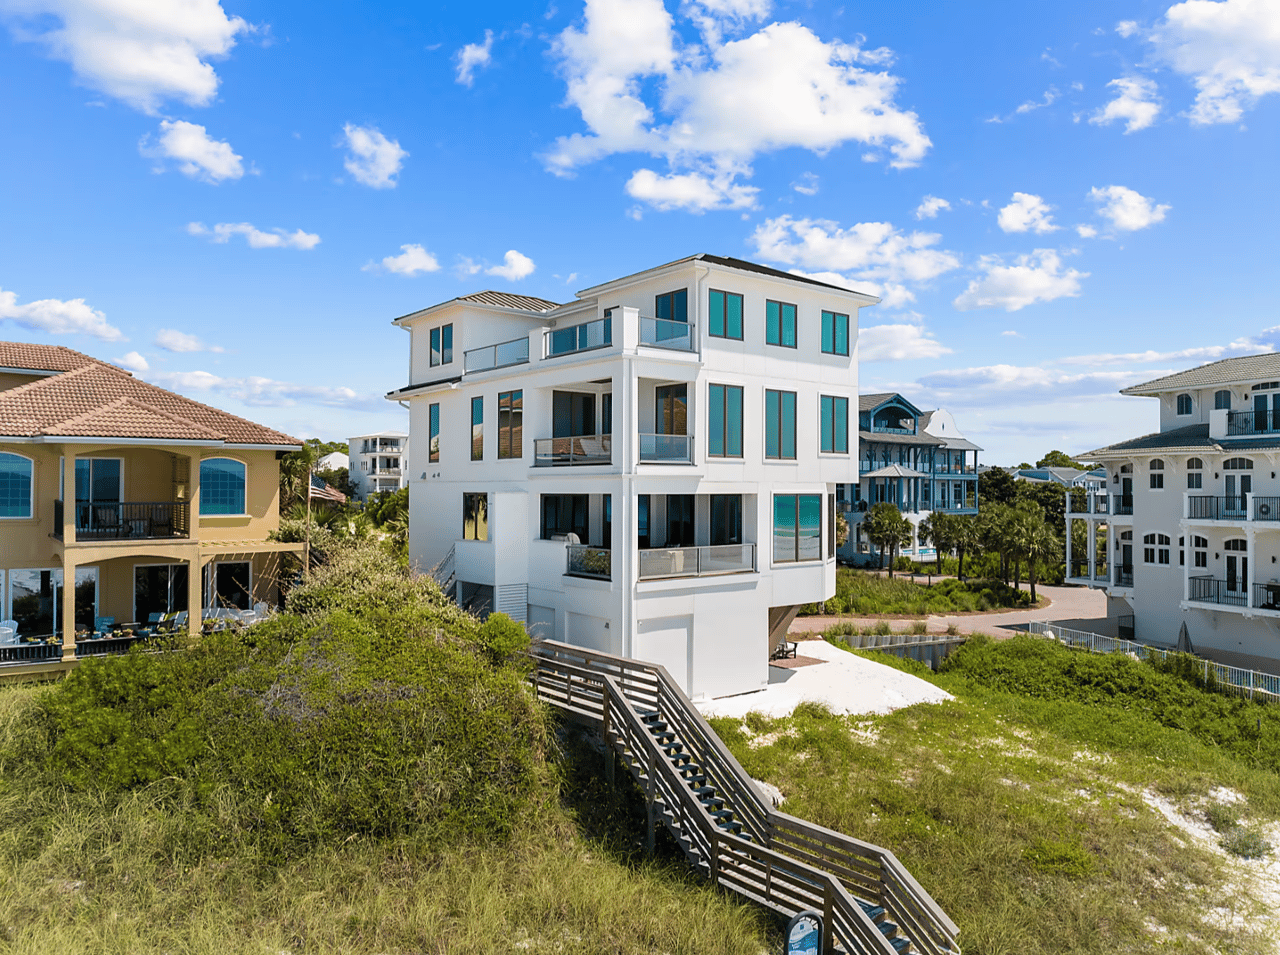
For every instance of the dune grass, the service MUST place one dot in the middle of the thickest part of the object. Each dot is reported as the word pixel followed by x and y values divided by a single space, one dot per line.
pixel 866 595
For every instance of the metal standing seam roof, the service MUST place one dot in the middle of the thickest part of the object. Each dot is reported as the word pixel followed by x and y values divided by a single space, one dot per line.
pixel 1227 371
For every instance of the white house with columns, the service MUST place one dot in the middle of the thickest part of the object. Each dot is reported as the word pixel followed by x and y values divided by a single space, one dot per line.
pixel 648 470
pixel 1188 531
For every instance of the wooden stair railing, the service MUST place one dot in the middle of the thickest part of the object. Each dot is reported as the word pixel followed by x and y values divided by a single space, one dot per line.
pixel 778 860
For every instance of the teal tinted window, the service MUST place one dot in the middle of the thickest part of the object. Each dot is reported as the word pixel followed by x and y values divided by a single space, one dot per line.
pixel 725 314
pixel 15 485
pixel 724 421
pixel 834 424
pixel 779 424
pixel 835 333
pixel 222 483
pixel 477 429
pixel 672 306
pixel 797 527
pixel 780 324
pixel 433 448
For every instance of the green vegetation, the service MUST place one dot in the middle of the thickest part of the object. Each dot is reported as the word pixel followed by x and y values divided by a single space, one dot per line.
pixel 367 772
pixel 1025 807
pixel 864 594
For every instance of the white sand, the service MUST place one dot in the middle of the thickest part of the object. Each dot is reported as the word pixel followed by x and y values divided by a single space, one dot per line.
pixel 846 683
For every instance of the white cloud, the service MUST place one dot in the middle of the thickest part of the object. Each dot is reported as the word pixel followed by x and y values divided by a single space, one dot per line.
pixel 1086 231
pixel 515 267
pixel 1230 50
pixel 172 340
pixel 1262 343
pixel 472 57
pixel 867 250
pixel 1127 210
pixel 266 392
pixel 1011 333
pixel 1026 213
pixel 372 159
pixel 138 52
pixel 1038 277
pixel 897 343
pixel 807 184
pixel 257 239
pixel 197 154
pixel 891 295
pixel 56 317
pixel 133 361
pixel 711 108
pixel 1137 104
pixel 1050 95
pixel 412 260
pixel 930 206
pixel 1023 384
pixel 693 192
pixel 1127 28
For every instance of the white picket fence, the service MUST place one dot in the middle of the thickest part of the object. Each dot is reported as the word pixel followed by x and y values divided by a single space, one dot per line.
pixel 1249 683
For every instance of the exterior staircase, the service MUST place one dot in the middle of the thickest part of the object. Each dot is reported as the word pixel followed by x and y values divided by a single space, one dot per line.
pixel 727 830
pixel 445 573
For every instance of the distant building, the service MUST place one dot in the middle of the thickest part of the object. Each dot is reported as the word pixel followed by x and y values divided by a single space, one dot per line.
pixel 1066 477
pixel 916 460
pixel 333 461
pixel 377 463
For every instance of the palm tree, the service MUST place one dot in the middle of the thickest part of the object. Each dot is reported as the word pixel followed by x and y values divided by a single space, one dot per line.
pixel 938 529
pixel 966 536
pixel 887 529
pixel 1036 542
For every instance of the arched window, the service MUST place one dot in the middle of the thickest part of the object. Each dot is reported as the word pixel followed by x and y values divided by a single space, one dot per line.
pixel 1184 404
pixel 1195 464
pixel 1157 473
pixel 1195 480
pixel 1239 544
pixel 1222 399
pixel 15 485
pixel 1237 464
pixel 1201 552
pixel 1126 469
pixel 222 483
pixel 1155 549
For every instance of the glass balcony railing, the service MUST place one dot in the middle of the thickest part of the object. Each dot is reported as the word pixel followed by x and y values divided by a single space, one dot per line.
pixel 587 561
pixel 666 448
pixel 579 338
pixel 568 452
pixel 697 561
pixel 502 355
pixel 663 333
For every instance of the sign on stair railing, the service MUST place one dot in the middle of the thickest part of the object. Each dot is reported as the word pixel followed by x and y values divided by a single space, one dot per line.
pixel 804 934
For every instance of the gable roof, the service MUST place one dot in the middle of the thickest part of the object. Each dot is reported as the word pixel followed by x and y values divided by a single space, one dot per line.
pixel 1227 371
pixel 1191 438
pixel 97 400
pixel 528 303
pixel 729 262
pixel 42 358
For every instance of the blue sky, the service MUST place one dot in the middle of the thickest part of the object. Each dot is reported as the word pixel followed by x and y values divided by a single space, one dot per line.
pixel 1053 200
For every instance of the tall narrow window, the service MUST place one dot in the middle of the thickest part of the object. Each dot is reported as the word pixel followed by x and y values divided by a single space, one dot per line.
pixel 441 345
pixel 680 531
pixel 725 314
pixel 780 324
pixel 642 521
pixel 433 448
pixel 1221 400
pixel 834 424
pixel 1184 404
pixel 726 519
pixel 1157 473
pixel 672 306
pixel 835 333
pixel 724 421
pixel 15 486
pixel 475 517
pixel 477 429
pixel 511 424
pixel 797 527
pixel 1201 551
pixel 671 404
pixel 779 424
pixel 831 526
pixel 222 482
pixel 1195 480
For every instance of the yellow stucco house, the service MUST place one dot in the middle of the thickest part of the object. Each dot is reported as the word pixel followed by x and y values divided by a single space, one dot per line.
pixel 150 502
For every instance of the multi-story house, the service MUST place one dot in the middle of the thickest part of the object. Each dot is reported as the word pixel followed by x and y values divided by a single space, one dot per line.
pixel 1189 534
pixel 150 502
pixel 376 462
pixel 649 470
pixel 916 460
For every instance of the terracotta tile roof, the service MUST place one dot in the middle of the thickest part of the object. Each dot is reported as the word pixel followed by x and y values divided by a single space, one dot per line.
pixel 94 399
pixel 42 357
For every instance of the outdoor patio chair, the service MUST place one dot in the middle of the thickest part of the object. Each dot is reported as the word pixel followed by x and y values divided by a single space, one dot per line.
pixel 102 625
pixel 12 627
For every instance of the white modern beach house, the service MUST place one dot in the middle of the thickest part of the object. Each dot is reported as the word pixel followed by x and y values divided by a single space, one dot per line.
pixel 376 463
pixel 649 470
pixel 1189 533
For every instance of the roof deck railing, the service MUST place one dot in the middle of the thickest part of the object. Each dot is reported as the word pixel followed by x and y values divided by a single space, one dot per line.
pixel 501 355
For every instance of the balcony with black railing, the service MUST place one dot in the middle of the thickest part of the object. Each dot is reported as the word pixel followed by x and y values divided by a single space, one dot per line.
pixel 1231 592
pixel 127 520
pixel 1267 596
pixel 1210 507
pixel 1124 575
pixel 1241 424
pixel 1122 504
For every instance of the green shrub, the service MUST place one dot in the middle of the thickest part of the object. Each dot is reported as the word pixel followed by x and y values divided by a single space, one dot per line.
pixel 919 626
pixel 882 628
pixel 503 637
pixel 1246 842
pixel 1222 817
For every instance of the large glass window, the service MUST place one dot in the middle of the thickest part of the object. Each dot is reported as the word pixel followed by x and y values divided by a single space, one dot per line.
pixel 680 520
pixel 725 314
pixel 779 424
pixel 672 306
pixel 222 483
pixel 724 421
pixel 565 514
pixel 441 345
pixel 671 404
pixel 511 424
pixel 232 585
pixel 780 324
pixel 797 527
pixel 433 448
pixel 726 519
pixel 475 517
pixel 835 424
pixel 159 589
pixel 15 485
pixel 36 599
pixel 835 333
pixel 477 429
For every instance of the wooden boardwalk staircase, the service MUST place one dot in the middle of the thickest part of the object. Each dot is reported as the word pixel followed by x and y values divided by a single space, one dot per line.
pixel 696 788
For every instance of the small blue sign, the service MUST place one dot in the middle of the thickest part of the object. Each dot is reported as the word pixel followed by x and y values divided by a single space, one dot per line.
pixel 804 935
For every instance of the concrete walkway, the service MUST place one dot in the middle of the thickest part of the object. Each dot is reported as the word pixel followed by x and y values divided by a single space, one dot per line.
pixel 1081 608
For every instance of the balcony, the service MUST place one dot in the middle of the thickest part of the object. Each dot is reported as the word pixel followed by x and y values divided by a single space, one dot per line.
pixel 502 355
pixel 100 521
pixel 1232 593
pixel 388 472
pixel 1208 507
pixel 584 561
pixel 1124 575
pixel 892 429
pixel 1093 504
pixel 697 561
pixel 1242 424
pixel 664 333
pixel 1122 504
pixel 1080 571
pixel 570 452
pixel 1267 596
pixel 666 449
pixel 588 336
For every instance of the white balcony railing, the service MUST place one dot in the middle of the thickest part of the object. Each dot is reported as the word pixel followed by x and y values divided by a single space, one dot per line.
pixel 666 448
pixel 697 561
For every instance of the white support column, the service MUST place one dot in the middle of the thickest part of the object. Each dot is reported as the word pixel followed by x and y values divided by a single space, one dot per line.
pixel 1249 554
pixel 1091 543
pixel 1070 525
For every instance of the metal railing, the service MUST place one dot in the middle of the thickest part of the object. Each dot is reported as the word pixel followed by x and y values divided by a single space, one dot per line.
pixel 1232 593
pixel 1266 596
pixel 1124 575
pixel 132 520
pixel 579 338
pixel 1093 503
pixel 782 862
pixel 1209 507
pixel 885 429
pixel 388 471
pixel 1241 423
pixel 666 448
pixel 1266 508
pixel 1253 684
pixel 1101 571
pixel 586 561
pixel 1121 503
pixel 697 561
pixel 501 355
pixel 665 333
pixel 567 452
